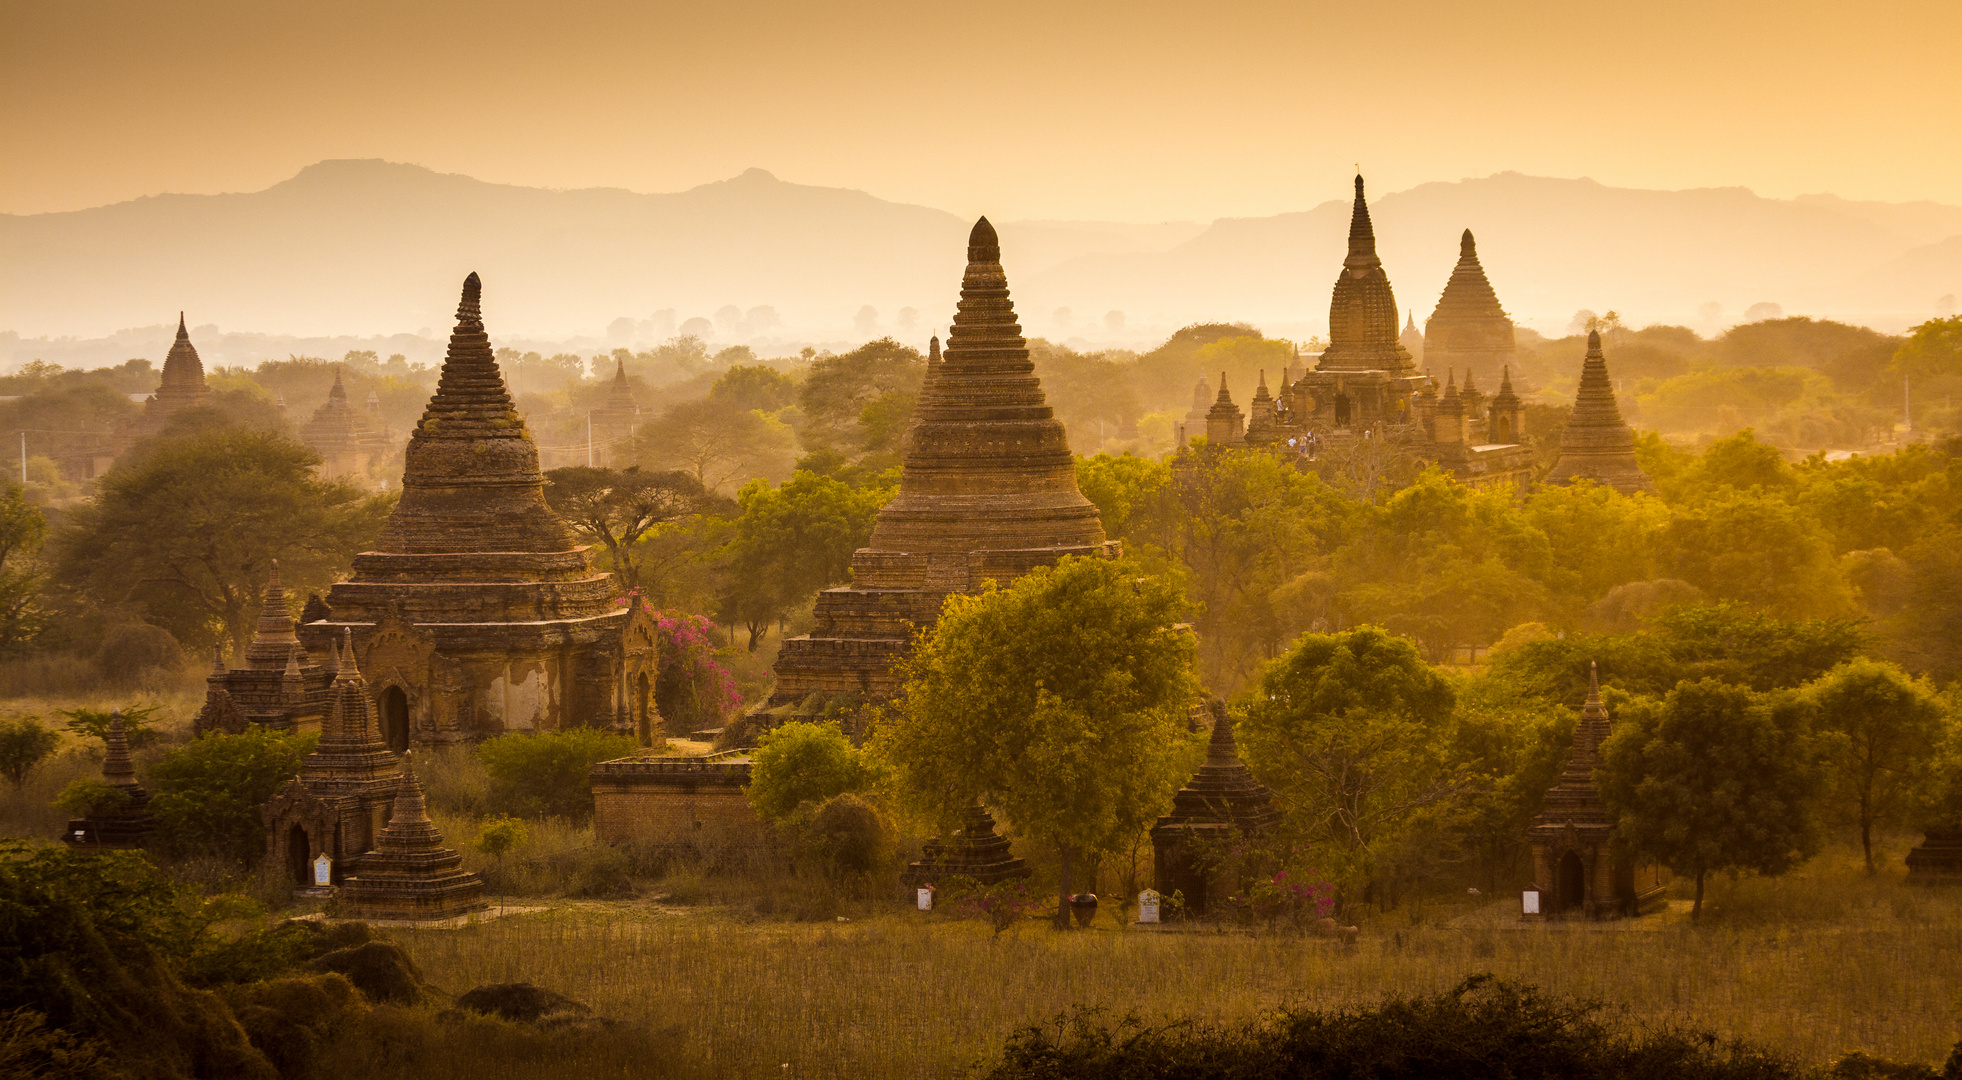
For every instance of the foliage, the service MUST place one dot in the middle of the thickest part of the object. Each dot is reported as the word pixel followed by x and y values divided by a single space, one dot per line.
pixel 207 794
pixel 1932 349
pixel 717 442
pixel 139 724
pixel 1294 895
pixel 617 507
pixel 1482 1028
pixel 857 402
pixel 24 745
pixel 185 528
pixel 693 689
pixel 1883 733
pixel 499 835
pixel 1757 548
pixel 1714 777
pixel 1002 904
pixel 1059 701
pixel 790 542
pixel 801 762
pixel 89 795
pixel 843 833
pixel 538 773
pixel 22 530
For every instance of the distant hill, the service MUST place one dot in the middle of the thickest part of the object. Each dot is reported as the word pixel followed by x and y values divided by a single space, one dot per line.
pixel 364 248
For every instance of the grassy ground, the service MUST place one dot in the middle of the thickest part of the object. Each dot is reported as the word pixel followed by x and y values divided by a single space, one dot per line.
pixel 1817 965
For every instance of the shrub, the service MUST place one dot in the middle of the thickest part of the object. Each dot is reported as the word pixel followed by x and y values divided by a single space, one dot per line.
pixel 693 689
pixel 802 762
pixel 844 833
pixel 534 774
pixel 24 745
pixel 90 795
pixel 139 722
pixel 208 793
pixel 132 651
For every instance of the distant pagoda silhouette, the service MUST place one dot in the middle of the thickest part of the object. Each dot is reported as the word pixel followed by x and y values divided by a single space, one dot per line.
pixel 1597 445
pixel 1469 330
pixel 1220 805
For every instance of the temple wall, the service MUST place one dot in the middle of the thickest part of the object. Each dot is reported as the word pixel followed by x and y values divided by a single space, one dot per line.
pixel 674 800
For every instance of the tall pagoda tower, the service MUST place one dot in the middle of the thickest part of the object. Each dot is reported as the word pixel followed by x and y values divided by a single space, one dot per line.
pixel 182 387
pixel 987 490
pixel 1597 445
pixel 1469 330
pixel 479 611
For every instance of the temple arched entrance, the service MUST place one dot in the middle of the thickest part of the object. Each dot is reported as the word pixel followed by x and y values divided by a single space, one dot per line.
pixel 1572 891
pixel 395 718
pixel 299 856
pixel 644 709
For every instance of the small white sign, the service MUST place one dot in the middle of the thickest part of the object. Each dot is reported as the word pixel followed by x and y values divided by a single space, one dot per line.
pixel 1529 902
pixel 323 871
pixel 926 898
pixel 1148 906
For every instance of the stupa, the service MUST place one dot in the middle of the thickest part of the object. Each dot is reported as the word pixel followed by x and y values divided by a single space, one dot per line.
pixel 1597 445
pixel 987 490
pixel 128 823
pixel 479 612
pixel 409 874
pixel 975 851
pixel 1469 331
pixel 182 387
pixel 1365 366
pixel 1195 417
pixel 282 685
pixel 348 440
pixel 339 801
pixel 613 423
pixel 1412 339
pixel 1575 867
pixel 1223 421
pixel 1221 804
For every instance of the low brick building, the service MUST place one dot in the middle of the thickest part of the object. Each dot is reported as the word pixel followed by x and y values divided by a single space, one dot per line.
pixel 675 800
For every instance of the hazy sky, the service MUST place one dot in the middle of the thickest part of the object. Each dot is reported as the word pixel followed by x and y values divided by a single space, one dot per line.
pixel 1134 111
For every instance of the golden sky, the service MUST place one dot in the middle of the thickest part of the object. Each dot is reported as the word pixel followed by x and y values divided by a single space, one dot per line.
pixel 1130 111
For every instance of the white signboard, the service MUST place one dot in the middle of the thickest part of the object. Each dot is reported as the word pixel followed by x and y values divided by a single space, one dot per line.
pixel 1148 906
pixel 323 871
pixel 1529 902
pixel 926 898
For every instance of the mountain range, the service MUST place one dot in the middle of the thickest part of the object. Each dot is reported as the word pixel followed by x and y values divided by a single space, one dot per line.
pixel 376 248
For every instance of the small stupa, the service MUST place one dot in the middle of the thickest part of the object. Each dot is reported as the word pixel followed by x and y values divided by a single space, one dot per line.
pixel 1223 420
pixel 348 440
pixel 613 423
pixel 1263 422
pixel 1597 444
pixel 128 823
pixel 1412 339
pixel 1221 803
pixel 974 851
pixel 1195 417
pixel 1469 330
pixel 409 874
pixel 282 686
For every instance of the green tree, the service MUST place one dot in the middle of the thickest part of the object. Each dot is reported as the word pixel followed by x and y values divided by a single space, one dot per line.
pixel 1597 538
pixel 618 507
pixel 186 529
pixel 208 793
pixel 1756 547
pixel 790 542
pixel 24 745
pixel 1714 777
pixel 22 529
pixel 800 762
pixel 1932 350
pixel 717 442
pixel 535 774
pixel 1883 733
pixel 139 723
pixel 1351 731
pixel 754 386
pixel 858 402
pixel 1060 701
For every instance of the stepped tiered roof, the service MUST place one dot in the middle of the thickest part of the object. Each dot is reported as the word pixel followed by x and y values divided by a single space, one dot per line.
pixel 409 874
pixel 1469 329
pixel 126 825
pixel 1597 444
pixel 346 438
pixel 1362 312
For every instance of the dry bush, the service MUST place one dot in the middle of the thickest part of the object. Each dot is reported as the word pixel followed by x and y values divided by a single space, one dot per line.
pixel 454 781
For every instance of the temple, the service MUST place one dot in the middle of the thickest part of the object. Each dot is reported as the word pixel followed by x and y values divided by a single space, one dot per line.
pixel 1597 445
pixel 408 873
pixel 282 686
pixel 479 612
pixel 975 852
pixel 1220 806
pixel 1469 331
pixel 181 388
pixel 127 822
pixel 611 426
pixel 987 490
pixel 1575 867
pixel 1365 386
pixel 1195 418
pixel 338 803
pixel 349 441
pixel 1412 339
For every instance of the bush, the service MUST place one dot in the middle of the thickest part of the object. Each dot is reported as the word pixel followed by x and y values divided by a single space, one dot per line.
pixel 139 723
pixel 550 773
pixel 208 793
pixel 802 762
pixel 24 745
pixel 843 833
pixel 90 795
pixel 132 651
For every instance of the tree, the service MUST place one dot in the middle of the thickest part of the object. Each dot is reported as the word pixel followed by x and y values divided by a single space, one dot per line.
pixel 22 529
pixel 754 386
pixel 1883 732
pixel 850 399
pixel 717 442
pixel 1757 548
pixel 208 793
pixel 535 774
pixel 799 763
pixel 1933 349
pixel 617 507
pixel 792 541
pixel 1714 777
pixel 187 529
pixel 1350 731
pixel 1059 701
pixel 24 745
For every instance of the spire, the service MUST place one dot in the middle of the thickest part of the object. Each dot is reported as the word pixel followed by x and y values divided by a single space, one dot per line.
pixel 983 246
pixel 1362 235
pixel 273 643
pixel 1224 397
pixel 338 392
pixel 117 766
pixel 619 369
pixel 1597 443
pixel 410 807
pixel 219 669
pixel 346 671
pixel 1467 247
pixel 182 383
pixel 933 351
pixel 1221 749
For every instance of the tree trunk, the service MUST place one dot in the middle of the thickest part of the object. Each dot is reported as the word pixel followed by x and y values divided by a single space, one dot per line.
pixel 1065 882
pixel 1866 829
pixel 1696 908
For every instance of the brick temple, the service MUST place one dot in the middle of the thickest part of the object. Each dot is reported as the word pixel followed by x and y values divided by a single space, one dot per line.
pixel 349 441
pixel 1221 805
pixel 283 685
pixel 128 824
pixel 182 387
pixel 1469 331
pixel 479 612
pixel 1597 444
pixel 408 874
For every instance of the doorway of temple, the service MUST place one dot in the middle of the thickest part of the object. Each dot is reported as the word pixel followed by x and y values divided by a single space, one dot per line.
pixel 299 856
pixel 1573 881
pixel 395 718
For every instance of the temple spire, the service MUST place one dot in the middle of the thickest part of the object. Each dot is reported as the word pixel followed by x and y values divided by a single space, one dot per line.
pixel 1362 234
pixel 118 767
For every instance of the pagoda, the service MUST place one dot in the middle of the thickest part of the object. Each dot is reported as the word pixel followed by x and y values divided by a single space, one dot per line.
pixel 1575 867
pixel 409 874
pixel 348 440
pixel 1412 339
pixel 987 491
pixel 975 851
pixel 127 823
pixel 1195 417
pixel 479 612
pixel 1222 803
pixel 339 801
pixel 1469 331
pixel 283 685
pixel 614 421
pixel 1223 420
pixel 1597 445
pixel 181 388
